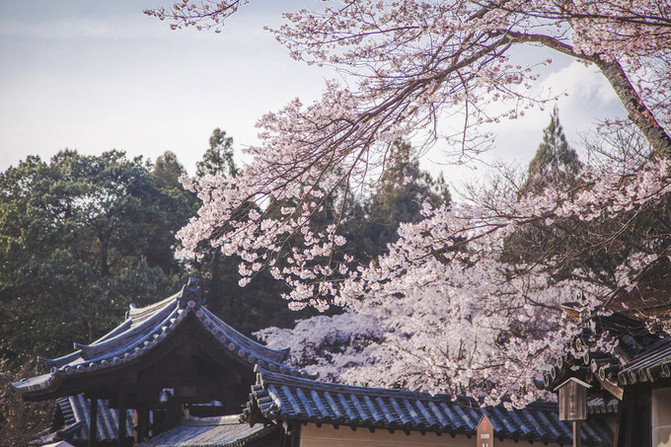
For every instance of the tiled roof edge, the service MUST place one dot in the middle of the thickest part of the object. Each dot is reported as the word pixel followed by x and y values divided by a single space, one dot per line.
pixel 276 397
pixel 245 351
pixel 116 358
pixel 276 355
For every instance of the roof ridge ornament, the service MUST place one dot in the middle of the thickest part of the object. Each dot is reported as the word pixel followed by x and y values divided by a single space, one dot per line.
pixel 191 295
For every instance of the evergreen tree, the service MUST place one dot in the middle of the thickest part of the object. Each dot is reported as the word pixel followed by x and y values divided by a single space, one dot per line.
pixel 399 196
pixel 259 304
pixel 218 159
pixel 167 170
pixel 572 247
pixel 81 237
pixel 178 207
pixel 555 163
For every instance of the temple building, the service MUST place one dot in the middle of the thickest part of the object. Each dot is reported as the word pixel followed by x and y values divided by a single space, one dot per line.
pixel 633 382
pixel 174 374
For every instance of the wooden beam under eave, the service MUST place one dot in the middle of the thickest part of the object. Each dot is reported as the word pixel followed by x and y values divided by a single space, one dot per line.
pixel 612 388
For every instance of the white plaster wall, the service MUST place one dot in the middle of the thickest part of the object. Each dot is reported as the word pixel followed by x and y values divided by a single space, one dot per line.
pixel 328 436
pixel 661 417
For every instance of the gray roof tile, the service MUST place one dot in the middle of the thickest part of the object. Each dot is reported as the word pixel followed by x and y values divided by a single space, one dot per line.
pixel 298 399
pixel 145 329
pixel 75 410
pixel 639 357
pixel 226 431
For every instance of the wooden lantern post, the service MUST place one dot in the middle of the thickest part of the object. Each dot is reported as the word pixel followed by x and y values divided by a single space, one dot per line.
pixel 572 397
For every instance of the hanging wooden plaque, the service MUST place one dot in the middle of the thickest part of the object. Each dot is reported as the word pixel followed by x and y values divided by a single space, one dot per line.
pixel 572 399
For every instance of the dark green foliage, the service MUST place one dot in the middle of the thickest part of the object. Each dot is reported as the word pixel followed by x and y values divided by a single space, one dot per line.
pixel 81 237
pixel 556 165
pixel 176 204
pixel 257 305
pixel 555 162
pixel 403 188
pixel 573 248
pixel 218 159
pixel 21 422
pixel 167 170
pixel 248 309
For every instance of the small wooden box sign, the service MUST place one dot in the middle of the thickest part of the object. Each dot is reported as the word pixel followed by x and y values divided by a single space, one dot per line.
pixel 572 397
pixel 485 432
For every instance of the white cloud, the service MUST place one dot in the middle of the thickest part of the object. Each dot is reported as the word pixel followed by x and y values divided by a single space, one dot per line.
pixel 585 99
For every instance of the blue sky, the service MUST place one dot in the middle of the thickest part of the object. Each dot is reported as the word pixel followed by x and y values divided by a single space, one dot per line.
pixel 95 76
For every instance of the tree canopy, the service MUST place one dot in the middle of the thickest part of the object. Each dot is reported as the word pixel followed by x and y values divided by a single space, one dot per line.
pixel 82 238
pixel 459 316
pixel 397 197
pixel 218 159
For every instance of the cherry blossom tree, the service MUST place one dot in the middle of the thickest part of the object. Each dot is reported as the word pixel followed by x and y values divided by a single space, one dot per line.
pixel 455 316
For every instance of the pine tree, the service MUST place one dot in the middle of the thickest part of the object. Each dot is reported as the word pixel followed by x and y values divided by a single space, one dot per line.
pixel 218 159
pixel 398 197
pixel 555 162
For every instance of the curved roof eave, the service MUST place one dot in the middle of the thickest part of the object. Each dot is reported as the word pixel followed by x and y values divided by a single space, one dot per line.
pixel 147 328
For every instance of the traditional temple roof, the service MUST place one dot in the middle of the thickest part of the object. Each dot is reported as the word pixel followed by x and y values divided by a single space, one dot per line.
pixel 141 333
pixel 638 357
pixel 225 431
pixel 278 397
pixel 601 405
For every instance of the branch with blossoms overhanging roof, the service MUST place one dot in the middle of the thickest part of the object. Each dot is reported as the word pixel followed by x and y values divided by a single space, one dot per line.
pixel 417 63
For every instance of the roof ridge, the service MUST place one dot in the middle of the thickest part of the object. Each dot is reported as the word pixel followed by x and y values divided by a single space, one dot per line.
pixel 285 379
pixel 277 355
pixel 139 313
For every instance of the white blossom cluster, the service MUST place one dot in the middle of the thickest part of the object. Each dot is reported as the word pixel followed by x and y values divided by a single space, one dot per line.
pixel 440 311
pixel 462 321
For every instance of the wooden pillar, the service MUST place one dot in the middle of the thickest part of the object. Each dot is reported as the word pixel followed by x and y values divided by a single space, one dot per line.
pixel 141 423
pixel 174 414
pixel 93 421
pixel 137 416
pixel 122 420
pixel 295 434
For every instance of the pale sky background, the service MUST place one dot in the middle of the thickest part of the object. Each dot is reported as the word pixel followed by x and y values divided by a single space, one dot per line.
pixel 94 76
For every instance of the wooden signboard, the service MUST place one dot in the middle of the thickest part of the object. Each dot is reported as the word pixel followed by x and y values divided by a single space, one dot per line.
pixel 485 432
pixel 572 399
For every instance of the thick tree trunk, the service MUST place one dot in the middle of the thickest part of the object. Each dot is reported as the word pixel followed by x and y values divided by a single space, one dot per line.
pixel 638 112
pixel 103 255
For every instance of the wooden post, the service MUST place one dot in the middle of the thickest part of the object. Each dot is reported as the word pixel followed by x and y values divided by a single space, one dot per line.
pixel 137 417
pixel 572 399
pixel 141 423
pixel 295 434
pixel 93 421
pixel 121 438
